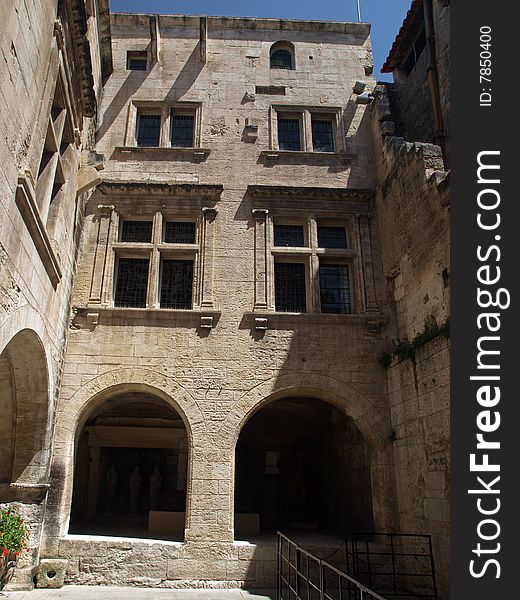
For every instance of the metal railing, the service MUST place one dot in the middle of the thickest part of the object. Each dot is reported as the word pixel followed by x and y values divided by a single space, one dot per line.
pixel 399 565
pixel 302 576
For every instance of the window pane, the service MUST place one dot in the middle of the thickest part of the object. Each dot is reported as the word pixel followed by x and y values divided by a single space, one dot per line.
pixel 182 127
pixel 136 231
pixel 131 282
pixel 289 285
pixel 136 61
pixel 148 130
pixel 289 134
pixel 335 289
pixel 322 135
pixel 179 232
pixel 176 283
pixel 281 59
pixel 332 237
pixel 289 235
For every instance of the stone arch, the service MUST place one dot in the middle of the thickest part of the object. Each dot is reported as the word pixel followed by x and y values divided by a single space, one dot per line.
pixel 372 418
pixel 24 406
pixel 74 413
pixel 282 55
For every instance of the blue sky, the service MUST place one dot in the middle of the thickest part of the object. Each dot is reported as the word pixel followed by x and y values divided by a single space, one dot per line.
pixel 386 16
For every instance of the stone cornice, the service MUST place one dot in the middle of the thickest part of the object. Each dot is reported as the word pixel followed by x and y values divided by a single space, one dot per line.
pixel 273 192
pixel 195 191
pixel 75 9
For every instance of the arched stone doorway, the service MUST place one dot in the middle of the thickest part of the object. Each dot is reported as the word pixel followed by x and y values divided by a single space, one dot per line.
pixel 24 406
pixel 131 470
pixel 301 464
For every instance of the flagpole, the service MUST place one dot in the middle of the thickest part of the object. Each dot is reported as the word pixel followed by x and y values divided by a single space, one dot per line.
pixel 358 11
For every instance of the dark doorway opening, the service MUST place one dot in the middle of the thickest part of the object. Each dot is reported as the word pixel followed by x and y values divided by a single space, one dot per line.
pixel 301 465
pixel 131 468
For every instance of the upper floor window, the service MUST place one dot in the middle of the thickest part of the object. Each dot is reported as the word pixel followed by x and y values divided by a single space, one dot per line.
pixel 182 129
pixel 312 266
pixel 289 133
pixel 156 125
pixel 302 129
pixel 282 56
pixel 148 133
pixel 152 271
pixel 136 60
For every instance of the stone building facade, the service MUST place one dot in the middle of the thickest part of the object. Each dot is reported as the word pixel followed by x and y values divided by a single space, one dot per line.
pixel 229 288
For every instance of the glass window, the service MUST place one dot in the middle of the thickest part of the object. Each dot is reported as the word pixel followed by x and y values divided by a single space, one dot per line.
pixel 148 130
pixel 176 284
pixel 332 237
pixel 136 231
pixel 131 282
pixel 136 60
pixel 179 232
pixel 281 59
pixel 322 135
pixel 289 284
pixel 182 131
pixel 335 289
pixel 289 134
pixel 289 235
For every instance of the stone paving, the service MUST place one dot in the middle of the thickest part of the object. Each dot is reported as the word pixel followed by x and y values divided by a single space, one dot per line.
pixel 77 592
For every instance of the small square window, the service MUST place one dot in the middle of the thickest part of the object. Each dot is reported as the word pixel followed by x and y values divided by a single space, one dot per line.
pixel 131 282
pixel 176 284
pixel 182 130
pixel 289 284
pixel 136 231
pixel 289 134
pixel 322 135
pixel 179 232
pixel 136 60
pixel 335 289
pixel 332 237
pixel 289 235
pixel 148 130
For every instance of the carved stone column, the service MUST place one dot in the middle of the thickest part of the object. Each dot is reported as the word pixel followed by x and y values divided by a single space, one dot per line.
pixel 261 262
pixel 104 221
pixel 207 256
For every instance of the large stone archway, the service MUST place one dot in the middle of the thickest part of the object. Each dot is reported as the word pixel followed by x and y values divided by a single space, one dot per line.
pixel 73 416
pixel 371 416
pixel 24 406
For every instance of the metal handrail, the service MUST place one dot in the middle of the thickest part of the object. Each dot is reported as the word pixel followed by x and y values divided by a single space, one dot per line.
pixel 361 552
pixel 361 592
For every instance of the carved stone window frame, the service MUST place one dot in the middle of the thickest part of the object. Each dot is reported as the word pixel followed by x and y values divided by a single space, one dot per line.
pixel 312 207
pixel 158 203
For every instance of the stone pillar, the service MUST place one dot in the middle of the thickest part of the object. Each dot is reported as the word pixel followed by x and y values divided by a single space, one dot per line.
pixel 104 220
pixel 261 259
pixel 93 481
pixel 207 256
pixel 209 509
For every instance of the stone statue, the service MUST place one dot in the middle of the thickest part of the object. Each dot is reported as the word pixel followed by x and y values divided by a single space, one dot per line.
pixel 135 488
pixel 155 488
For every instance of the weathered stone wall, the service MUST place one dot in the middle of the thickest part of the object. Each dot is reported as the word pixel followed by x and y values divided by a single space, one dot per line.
pixel 412 209
pixel 37 245
pixel 217 378
pixel 413 90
